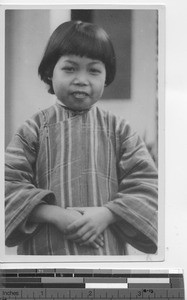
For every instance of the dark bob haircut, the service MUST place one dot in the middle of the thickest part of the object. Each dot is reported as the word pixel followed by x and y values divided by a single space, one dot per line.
pixel 77 38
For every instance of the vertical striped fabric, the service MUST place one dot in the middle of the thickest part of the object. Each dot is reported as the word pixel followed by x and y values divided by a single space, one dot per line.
pixel 81 159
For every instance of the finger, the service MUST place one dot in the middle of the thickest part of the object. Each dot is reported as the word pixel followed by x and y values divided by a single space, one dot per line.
pixel 76 225
pixel 81 236
pixel 101 237
pixel 90 240
pixel 99 242
pixel 93 245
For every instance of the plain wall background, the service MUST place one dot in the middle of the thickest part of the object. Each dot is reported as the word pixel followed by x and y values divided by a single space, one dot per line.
pixel 176 142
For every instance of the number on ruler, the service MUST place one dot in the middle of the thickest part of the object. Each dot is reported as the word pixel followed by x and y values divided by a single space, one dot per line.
pixel 90 294
pixel 139 294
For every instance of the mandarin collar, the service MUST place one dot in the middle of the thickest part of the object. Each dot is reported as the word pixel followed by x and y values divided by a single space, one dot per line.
pixel 74 112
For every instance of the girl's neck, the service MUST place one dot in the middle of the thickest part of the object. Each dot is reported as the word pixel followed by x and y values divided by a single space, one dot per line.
pixel 77 112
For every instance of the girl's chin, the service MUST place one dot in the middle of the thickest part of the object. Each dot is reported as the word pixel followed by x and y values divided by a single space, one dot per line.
pixel 78 104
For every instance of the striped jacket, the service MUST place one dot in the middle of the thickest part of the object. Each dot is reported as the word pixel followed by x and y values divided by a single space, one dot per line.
pixel 72 159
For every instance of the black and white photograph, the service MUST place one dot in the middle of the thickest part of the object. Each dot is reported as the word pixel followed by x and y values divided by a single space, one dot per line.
pixel 84 106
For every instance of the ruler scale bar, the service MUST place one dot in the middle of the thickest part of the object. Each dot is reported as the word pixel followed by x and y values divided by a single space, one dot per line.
pixel 106 280
pixel 57 293
pixel 149 285
pixel 62 280
pixel 66 284
pixel 104 285
pixel 148 280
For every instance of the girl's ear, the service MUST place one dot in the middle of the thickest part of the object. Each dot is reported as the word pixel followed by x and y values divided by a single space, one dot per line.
pixel 49 73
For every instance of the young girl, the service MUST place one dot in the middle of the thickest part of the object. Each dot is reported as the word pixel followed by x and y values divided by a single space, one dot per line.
pixel 79 181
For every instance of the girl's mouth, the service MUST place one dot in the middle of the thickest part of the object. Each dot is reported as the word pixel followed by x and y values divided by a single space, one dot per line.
pixel 80 95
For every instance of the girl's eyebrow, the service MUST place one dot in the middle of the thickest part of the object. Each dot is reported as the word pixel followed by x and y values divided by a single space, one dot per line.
pixel 96 62
pixel 76 63
pixel 70 61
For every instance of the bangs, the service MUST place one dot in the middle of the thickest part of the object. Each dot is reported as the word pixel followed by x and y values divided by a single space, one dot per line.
pixel 88 44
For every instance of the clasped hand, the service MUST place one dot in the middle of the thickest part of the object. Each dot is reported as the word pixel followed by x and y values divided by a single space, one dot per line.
pixel 89 228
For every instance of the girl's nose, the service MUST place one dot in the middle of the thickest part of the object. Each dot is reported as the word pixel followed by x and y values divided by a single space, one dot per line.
pixel 81 79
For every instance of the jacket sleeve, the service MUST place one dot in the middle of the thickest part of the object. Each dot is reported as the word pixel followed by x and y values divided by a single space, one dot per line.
pixel 21 191
pixel 136 202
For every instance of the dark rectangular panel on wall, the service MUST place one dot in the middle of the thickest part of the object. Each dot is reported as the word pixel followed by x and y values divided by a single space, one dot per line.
pixel 84 15
pixel 118 24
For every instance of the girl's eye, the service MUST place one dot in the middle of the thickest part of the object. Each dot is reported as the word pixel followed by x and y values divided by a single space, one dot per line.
pixel 95 71
pixel 68 69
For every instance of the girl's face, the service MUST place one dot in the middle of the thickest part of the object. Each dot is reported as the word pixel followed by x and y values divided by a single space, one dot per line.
pixel 78 82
